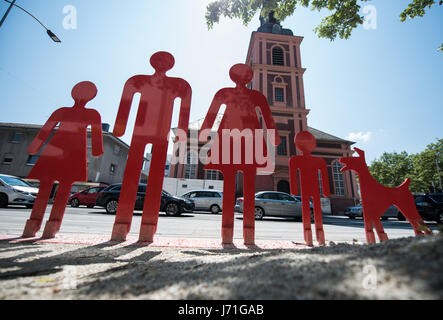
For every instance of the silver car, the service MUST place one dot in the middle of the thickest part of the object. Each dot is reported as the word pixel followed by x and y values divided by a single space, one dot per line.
pixel 206 200
pixel 15 191
pixel 275 204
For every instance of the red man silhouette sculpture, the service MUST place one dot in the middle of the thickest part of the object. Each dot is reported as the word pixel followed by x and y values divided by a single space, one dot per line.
pixel 152 125
pixel 240 114
pixel 376 199
pixel 64 159
pixel 309 168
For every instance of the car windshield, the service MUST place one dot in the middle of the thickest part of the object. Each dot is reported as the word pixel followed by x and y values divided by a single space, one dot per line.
pixel 437 197
pixel 16 182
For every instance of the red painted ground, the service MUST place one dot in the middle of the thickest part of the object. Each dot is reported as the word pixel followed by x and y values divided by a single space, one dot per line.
pixel 159 242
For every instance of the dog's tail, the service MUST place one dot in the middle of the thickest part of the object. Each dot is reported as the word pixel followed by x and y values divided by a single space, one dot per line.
pixel 405 184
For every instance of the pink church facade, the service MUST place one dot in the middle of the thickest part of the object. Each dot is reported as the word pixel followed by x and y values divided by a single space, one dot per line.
pixel 275 57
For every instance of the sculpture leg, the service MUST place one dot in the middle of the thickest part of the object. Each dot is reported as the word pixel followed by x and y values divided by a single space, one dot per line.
pixel 410 212
pixel 228 207
pixel 370 237
pixel 34 223
pixel 306 213
pixel 318 219
pixel 126 203
pixel 382 236
pixel 153 195
pixel 249 207
pixel 58 210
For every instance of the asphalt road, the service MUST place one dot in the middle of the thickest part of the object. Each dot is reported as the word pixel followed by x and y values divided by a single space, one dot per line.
pixel 95 221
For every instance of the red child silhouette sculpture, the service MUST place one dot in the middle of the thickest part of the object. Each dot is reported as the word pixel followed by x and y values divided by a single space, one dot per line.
pixel 152 125
pixel 376 199
pixel 309 168
pixel 240 114
pixel 64 159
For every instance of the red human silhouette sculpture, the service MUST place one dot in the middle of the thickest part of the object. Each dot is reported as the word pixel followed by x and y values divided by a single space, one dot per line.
pixel 376 199
pixel 152 125
pixel 309 168
pixel 64 159
pixel 240 114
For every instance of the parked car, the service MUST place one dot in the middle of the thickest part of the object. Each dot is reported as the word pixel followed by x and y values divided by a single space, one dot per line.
pixel 171 205
pixel 86 197
pixel 430 206
pixel 15 191
pixel 357 212
pixel 275 204
pixel 206 200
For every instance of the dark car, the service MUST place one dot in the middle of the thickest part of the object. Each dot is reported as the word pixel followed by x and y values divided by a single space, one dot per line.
pixel 171 205
pixel 357 212
pixel 430 206
pixel 86 197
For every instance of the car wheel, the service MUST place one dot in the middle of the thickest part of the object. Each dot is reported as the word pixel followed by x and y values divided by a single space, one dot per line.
pixel 111 206
pixel 259 213
pixel 401 217
pixel 352 217
pixel 384 218
pixel 215 209
pixel 29 206
pixel 75 203
pixel 90 206
pixel 3 201
pixel 172 209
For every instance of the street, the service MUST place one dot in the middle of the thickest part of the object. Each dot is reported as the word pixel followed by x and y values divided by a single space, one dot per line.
pixel 95 221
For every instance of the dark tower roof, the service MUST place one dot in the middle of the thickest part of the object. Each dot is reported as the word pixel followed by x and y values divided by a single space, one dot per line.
pixel 272 25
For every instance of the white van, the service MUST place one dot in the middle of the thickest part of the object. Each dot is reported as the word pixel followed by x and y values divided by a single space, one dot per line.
pixel 206 200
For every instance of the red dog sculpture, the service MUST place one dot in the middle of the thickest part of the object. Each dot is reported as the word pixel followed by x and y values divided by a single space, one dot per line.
pixel 376 199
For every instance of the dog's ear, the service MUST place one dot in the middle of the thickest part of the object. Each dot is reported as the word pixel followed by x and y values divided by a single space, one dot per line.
pixel 360 152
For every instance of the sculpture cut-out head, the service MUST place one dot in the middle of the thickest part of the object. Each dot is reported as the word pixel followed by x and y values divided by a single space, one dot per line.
pixel 305 142
pixel 241 74
pixel 162 61
pixel 83 92
pixel 354 163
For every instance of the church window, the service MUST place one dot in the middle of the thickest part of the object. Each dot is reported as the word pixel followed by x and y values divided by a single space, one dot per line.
pixel 278 56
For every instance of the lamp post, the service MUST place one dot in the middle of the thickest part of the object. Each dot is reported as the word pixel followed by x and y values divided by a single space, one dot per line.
pixel 12 4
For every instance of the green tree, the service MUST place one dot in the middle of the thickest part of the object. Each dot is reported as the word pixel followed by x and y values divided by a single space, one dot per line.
pixel 392 168
pixel 425 172
pixel 344 18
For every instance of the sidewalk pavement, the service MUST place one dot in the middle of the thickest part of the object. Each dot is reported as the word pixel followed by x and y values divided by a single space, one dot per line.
pixel 73 267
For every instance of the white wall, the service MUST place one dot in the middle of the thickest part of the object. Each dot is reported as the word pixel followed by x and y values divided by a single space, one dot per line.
pixel 176 186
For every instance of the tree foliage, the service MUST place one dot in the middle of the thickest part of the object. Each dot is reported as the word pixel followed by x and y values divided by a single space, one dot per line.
pixel 345 14
pixel 391 169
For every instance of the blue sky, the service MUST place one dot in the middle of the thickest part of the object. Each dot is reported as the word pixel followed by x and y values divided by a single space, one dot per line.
pixel 385 84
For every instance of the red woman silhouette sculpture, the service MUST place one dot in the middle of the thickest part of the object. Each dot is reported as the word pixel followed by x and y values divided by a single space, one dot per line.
pixel 240 114
pixel 376 199
pixel 309 168
pixel 64 159
pixel 152 125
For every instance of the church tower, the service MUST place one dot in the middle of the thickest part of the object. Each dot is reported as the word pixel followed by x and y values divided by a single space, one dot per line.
pixel 274 56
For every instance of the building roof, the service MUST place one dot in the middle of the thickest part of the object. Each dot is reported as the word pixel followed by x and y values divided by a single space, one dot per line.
pixel 318 134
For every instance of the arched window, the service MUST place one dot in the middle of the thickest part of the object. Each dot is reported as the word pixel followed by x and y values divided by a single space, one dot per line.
pixel 339 181
pixel 278 56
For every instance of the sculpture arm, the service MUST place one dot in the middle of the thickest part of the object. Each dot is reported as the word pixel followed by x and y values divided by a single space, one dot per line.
pixel 211 115
pixel 43 134
pixel 96 136
pixel 124 108
pixel 293 175
pixel 325 181
pixel 185 109
pixel 267 116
